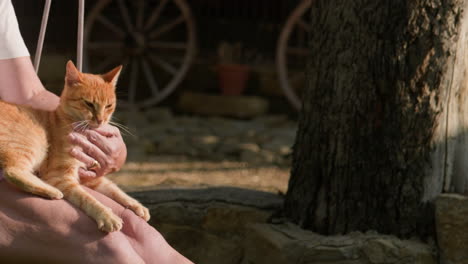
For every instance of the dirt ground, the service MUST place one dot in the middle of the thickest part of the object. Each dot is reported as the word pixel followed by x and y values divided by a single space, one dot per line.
pixel 183 172
pixel 178 151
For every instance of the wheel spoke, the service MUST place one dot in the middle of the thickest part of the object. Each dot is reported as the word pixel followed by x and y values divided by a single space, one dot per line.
pixel 167 27
pixel 107 23
pixel 163 64
pixel 174 45
pixel 125 15
pixel 133 81
pixel 140 17
pixel 149 77
pixel 304 25
pixel 155 15
pixel 105 45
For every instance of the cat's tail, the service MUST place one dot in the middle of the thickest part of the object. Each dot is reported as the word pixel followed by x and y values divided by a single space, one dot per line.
pixel 30 183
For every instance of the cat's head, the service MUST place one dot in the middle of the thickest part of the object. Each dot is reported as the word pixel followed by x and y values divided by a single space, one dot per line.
pixel 89 97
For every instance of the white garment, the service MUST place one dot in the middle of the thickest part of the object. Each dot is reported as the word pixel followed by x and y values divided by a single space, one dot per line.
pixel 11 43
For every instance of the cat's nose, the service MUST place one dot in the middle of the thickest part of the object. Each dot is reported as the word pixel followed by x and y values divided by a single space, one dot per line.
pixel 99 121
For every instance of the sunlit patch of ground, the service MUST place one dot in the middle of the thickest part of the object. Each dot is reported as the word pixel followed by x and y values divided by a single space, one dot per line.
pixel 182 172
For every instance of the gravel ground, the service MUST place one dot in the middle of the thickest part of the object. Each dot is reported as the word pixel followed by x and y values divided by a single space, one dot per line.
pixel 166 150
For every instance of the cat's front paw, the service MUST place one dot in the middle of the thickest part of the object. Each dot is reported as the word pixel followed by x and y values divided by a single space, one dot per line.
pixel 109 222
pixel 53 193
pixel 140 210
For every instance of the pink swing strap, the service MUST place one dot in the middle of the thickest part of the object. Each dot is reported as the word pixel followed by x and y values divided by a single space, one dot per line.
pixel 40 42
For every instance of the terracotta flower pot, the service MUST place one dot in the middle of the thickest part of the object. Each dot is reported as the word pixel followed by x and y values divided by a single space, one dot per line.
pixel 233 78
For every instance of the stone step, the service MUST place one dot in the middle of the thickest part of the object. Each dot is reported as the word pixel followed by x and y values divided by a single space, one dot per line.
pixel 238 226
pixel 242 106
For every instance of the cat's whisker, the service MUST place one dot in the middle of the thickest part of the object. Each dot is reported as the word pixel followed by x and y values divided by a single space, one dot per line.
pixel 74 125
pixel 85 126
pixel 112 121
pixel 82 124
pixel 123 128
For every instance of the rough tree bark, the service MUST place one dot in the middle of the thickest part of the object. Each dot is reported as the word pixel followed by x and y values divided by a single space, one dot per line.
pixel 382 130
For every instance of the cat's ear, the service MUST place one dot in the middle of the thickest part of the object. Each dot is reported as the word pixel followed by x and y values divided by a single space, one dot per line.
pixel 73 75
pixel 112 76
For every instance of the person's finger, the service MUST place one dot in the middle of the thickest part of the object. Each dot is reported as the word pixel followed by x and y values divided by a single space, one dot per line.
pixel 91 150
pixel 81 156
pixel 87 174
pixel 108 131
pixel 98 140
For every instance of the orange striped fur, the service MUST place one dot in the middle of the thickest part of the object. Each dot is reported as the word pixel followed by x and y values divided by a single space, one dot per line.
pixel 36 141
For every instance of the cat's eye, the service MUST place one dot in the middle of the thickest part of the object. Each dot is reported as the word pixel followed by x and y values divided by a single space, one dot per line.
pixel 109 106
pixel 89 104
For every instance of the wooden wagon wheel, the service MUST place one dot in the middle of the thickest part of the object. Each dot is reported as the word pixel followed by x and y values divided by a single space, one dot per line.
pixel 154 40
pixel 292 52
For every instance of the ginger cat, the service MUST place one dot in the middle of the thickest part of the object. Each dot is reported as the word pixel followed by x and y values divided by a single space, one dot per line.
pixel 36 141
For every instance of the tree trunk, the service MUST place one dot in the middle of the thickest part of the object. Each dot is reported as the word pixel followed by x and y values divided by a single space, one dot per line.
pixel 382 130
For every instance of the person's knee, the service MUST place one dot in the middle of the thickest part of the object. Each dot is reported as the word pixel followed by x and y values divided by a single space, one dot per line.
pixel 135 225
pixel 116 248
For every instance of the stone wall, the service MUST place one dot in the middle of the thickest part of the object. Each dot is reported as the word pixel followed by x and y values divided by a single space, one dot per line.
pixel 234 226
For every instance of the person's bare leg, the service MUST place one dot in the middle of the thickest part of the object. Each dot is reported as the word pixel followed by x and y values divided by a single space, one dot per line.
pixel 57 231
pixel 148 242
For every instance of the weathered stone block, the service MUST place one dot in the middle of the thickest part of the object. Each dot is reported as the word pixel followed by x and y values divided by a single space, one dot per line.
pixel 287 243
pixel 202 247
pixel 452 228
pixel 217 216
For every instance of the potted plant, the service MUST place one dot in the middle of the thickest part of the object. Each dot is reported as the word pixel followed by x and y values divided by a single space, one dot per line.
pixel 233 72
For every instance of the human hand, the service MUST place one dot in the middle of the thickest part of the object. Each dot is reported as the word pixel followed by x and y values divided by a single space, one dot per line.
pixel 103 145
